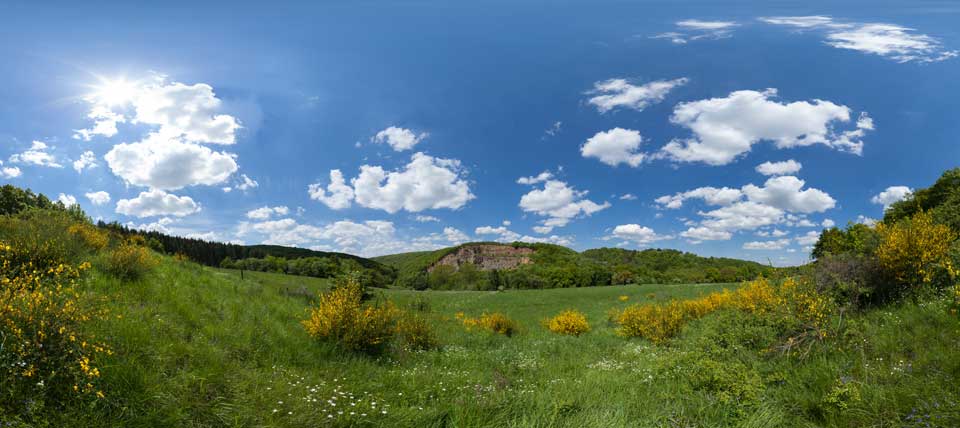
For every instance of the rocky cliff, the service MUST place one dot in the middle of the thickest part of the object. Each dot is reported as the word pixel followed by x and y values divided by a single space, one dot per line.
pixel 486 257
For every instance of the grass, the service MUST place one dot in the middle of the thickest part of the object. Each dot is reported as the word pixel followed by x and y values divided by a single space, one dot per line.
pixel 199 347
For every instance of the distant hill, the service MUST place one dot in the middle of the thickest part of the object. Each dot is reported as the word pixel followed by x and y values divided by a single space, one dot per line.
pixel 487 265
pixel 672 266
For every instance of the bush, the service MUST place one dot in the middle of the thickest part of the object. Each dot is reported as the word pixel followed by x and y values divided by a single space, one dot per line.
pixel 569 322
pixel 416 334
pixel 915 253
pixel 341 317
pixel 45 355
pixel 791 300
pixel 128 261
pixel 495 322
pixel 849 279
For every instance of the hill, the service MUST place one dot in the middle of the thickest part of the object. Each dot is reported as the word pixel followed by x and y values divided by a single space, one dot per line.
pixel 662 266
pixel 489 265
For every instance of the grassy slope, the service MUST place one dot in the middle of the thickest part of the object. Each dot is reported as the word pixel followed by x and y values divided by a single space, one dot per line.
pixel 198 347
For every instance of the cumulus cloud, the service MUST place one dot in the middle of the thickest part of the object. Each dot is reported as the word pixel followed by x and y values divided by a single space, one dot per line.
pixel 266 212
pixel 169 164
pixel 781 200
pixel 695 29
pixel 828 223
pixel 98 198
pixel 399 139
pixel 9 171
pixel 787 167
pixel 614 147
pixel 192 112
pixel 785 193
pixel 778 244
pixel 560 203
pixel 156 202
pixel 725 128
pixel 455 236
pixel 620 93
pixel 641 235
pixel 425 183
pixel 87 160
pixel 68 200
pixel 628 197
pixel 426 218
pixel 36 155
pixel 809 238
pixel 244 183
pixel 891 195
pixel 890 41
pixel 104 123
pixel 543 176
pixel 338 195
pixel 504 235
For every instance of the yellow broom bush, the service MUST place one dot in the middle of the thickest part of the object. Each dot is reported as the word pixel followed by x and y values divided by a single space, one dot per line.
pixel 129 261
pixel 495 322
pixel 340 316
pixel 916 252
pixel 570 322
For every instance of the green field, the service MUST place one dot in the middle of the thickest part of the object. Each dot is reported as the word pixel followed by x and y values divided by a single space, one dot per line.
pixel 196 346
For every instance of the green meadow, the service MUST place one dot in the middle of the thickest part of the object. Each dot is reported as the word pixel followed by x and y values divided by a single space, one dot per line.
pixel 197 346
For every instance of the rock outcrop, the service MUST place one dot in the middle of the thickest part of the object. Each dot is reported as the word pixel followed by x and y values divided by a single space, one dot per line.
pixel 486 257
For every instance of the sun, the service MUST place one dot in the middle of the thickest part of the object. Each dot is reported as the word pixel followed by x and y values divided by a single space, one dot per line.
pixel 114 92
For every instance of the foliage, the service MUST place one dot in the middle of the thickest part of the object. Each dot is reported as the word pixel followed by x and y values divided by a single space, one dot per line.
pixel 844 394
pixel 570 322
pixel 914 252
pixel 341 317
pixel 663 266
pixel 129 261
pixel 942 192
pixel 851 280
pixel 792 300
pixel 416 333
pixel 857 239
pixel 45 354
pixel 495 322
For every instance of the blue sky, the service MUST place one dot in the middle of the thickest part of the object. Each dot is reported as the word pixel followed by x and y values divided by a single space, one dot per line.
pixel 609 123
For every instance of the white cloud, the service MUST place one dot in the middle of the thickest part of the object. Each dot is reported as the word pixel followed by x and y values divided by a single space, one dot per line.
pixel 9 171
pixel 266 212
pixel 641 235
pixel 340 194
pixel 98 198
pixel 725 128
pixel 827 223
pixel 426 218
pixel 615 93
pixel 554 129
pixel 628 197
pixel 809 238
pixel 246 183
pixel 506 235
pixel 399 138
pixel 866 220
pixel 891 195
pixel 68 200
pixel 192 112
pixel 615 146
pixel 87 160
pixel 455 236
pixel 425 183
pixel 698 234
pixel 778 244
pixel 36 155
pixel 105 123
pixel 156 202
pixel 787 167
pixel 543 176
pixel 710 195
pixel 696 29
pixel 785 193
pixel 560 203
pixel 169 164
pixel 890 41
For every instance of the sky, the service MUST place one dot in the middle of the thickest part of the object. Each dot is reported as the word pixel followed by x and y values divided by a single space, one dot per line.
pixel 737 129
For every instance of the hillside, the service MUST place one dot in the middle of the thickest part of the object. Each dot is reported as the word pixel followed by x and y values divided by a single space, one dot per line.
pixel 672 266
pixel 521 265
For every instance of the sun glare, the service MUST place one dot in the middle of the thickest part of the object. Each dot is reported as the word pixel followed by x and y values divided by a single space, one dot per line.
pixel 114 92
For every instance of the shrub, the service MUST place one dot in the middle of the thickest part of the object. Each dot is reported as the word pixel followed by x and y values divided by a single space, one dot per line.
pixel 494 322
pixel 93 237
pixel 915 253
pixel 849 279
pixel 340 316
pixel 128 261
pixel 569 322
pixel 791 300
pixel 44 353
pixel 416 334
